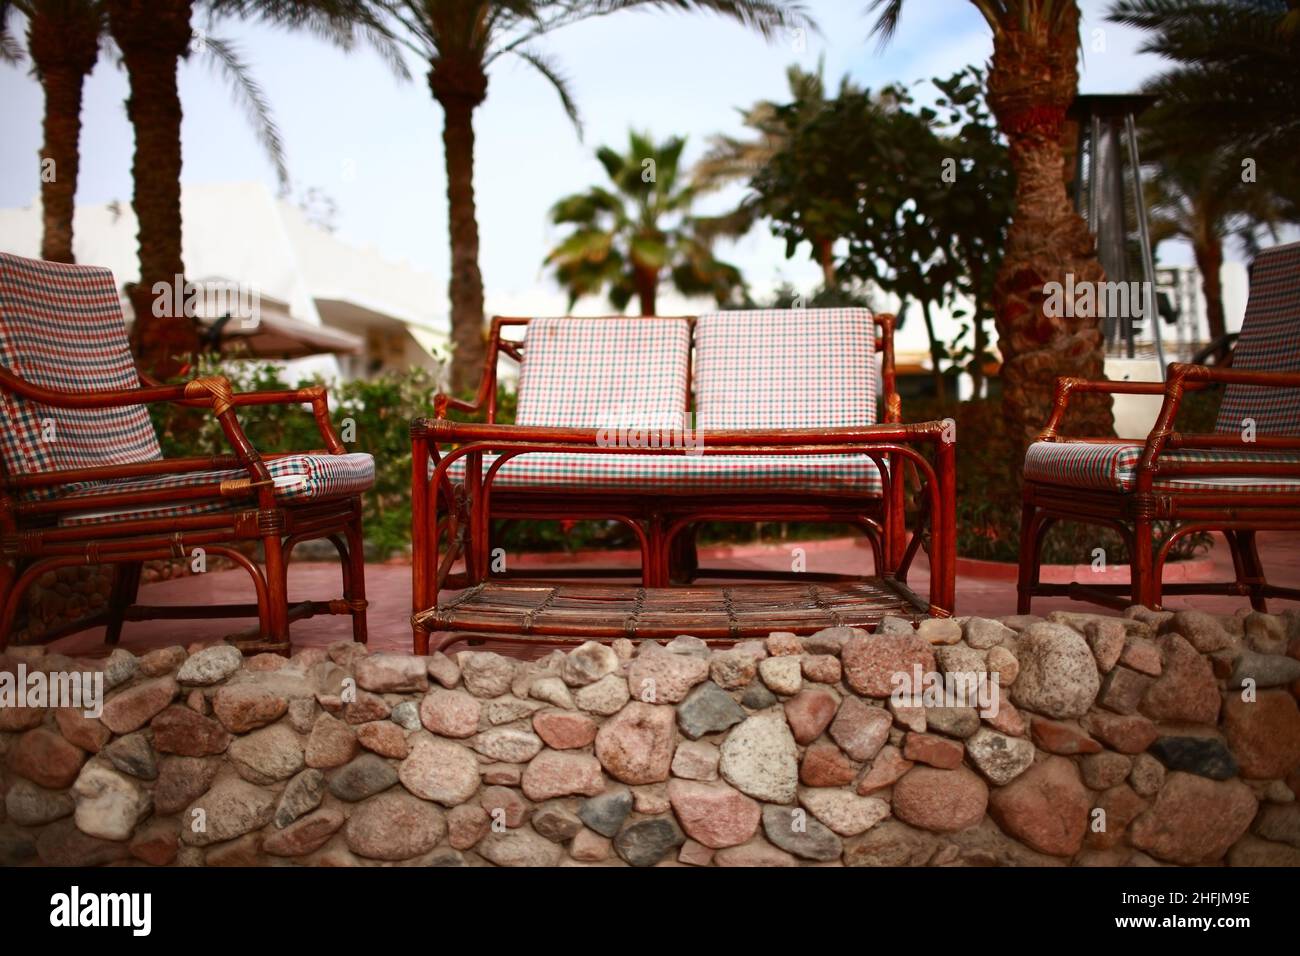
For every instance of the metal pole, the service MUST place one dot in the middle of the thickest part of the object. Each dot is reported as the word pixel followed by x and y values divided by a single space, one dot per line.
pixel 1144 237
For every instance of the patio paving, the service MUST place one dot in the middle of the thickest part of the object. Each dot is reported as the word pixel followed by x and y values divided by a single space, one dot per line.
pixel 388 588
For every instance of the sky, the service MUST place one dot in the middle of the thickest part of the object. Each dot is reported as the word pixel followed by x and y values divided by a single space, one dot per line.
pixel 372 143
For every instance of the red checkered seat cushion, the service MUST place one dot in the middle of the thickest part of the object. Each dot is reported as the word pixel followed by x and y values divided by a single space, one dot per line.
pixel 299 479
pixel 1269 341
pixel 1112 466
pixel 61 327
pixel 684 475
pixel 785 368
pixel 595 373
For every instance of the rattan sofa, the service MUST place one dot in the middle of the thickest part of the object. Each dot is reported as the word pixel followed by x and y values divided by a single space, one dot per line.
pixel 782 402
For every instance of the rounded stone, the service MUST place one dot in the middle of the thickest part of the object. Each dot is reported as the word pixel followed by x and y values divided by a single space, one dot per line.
pixel 1058 673
pixel 394 826
pixel 940 800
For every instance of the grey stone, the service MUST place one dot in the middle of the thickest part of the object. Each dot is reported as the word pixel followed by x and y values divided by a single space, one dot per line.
pixel 1000 758
pixel 210 665
pixel 231 808
pixel 646 842
pixel 960 722
pixel 606 812
pixel 1266 670
pixel 707 709
pixel 1205 756
pixel 362 777
pixel 133 755
pixel 33 806
pixel 119 667
pixel 406 715
pixel 757 696
pixel 556 822
pixel 891 843
pixel 809 839
pixel 302 795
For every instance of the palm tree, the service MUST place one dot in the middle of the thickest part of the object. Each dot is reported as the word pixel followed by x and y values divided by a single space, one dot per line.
pixel 1234 81
pixel 154 36
pixel 627 237
pixel 1232 98
pixel 63 40
pixel 461 40
pixel 1198 195
pixel 1032 80
pixel 731 159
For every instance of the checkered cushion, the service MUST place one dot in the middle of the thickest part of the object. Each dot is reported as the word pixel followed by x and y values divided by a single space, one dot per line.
pixel 591 373
pixel 684 474
pixel 61 327
pixel 298 479
pixel 1269 342
pixel 785 368
pixel 1112 466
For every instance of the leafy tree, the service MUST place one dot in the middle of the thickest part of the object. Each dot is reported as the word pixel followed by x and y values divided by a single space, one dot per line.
pixel 629 237
pixel 461 40
pixel 1033 78
pixel 731 159
pixel 976 210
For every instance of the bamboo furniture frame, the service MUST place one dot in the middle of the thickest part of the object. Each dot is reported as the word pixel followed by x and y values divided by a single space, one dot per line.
pixel 32 542
pixel 462 514
pixel 1238 512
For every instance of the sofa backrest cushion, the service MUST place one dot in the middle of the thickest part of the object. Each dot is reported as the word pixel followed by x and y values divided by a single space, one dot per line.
pixel 61 327
pixel 1269 342
pixel 608 372
pixel 785 368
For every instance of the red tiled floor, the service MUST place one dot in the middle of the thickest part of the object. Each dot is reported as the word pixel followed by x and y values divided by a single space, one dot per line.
pixel 388 588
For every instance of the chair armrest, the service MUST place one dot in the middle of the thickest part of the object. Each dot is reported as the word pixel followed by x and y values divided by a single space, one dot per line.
pixel 1067 386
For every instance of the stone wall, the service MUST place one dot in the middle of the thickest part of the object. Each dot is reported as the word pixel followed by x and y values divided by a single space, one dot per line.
pixel 1182 730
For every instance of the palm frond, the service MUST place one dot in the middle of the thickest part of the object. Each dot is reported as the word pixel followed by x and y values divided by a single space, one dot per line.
pixel 249 95
pixel 545 65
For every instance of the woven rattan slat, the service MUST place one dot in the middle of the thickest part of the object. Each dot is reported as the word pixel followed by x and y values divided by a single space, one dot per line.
pixel 563 614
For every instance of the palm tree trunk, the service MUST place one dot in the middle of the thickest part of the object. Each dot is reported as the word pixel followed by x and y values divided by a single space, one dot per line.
pixel 980 333
pixel 1209 260
pixel 64 51
pixel 459 88
pixel 647 288
pixel 826 255
pixel 153 36
pixel 1033 79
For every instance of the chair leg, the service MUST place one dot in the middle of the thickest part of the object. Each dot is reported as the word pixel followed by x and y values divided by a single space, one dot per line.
pixel 1254 569
pixel 126 585
pixel 1145 591
pixel 355 593
pixel 1028 571
pixel 8 600
pixel 277 583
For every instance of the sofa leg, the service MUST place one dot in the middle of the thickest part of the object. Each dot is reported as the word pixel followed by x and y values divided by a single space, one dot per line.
pixel 8 572
pixel 126 585
pixel 419 640
pixel 683 557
